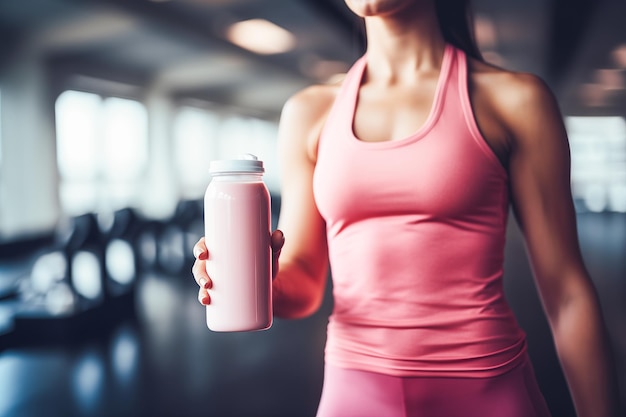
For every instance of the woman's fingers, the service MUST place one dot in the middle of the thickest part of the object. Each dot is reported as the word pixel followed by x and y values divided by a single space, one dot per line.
pixel 203 280
pixel 203 296
pixel 200 251
pixel 200 275
pixel 199 266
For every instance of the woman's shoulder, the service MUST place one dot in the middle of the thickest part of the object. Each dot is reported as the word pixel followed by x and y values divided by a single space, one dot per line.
pixel 311 101
pixel 304 114
pixel 509 89
pixel 516 98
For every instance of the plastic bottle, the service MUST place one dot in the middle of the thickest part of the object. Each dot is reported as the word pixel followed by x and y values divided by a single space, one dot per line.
pixel 237 218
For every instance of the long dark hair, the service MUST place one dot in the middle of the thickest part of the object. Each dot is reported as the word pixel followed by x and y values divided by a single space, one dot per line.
pixel 456 20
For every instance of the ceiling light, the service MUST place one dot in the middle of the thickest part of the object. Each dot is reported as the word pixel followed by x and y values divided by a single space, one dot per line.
pixel 261 36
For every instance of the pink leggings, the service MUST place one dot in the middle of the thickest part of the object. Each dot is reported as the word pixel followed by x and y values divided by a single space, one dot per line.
pixel 354 393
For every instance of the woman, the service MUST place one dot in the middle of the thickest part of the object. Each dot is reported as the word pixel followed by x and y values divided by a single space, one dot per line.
pixel 402 177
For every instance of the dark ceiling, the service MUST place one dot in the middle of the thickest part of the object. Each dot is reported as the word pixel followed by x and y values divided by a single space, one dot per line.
pixel 177 47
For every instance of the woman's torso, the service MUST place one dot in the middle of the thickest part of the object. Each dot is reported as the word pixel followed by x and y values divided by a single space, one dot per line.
pixel 415 228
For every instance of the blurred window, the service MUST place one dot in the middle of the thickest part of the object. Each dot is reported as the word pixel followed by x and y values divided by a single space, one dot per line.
pixel 598 150
pixel 102 151
pixel 194 138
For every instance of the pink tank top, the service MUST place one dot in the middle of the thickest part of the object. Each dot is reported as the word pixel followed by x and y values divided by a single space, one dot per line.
pixel 416 233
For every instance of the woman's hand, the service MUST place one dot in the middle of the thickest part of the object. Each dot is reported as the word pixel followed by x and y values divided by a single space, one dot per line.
pixel 201 253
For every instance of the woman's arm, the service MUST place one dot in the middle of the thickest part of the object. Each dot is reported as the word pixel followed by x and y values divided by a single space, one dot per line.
pixel 298 289
pixel 539 169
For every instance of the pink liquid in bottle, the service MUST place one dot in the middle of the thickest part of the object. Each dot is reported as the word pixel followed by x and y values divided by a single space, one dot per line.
pixel 237 233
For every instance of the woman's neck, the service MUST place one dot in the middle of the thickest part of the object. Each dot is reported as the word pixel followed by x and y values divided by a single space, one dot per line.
pixel 404 43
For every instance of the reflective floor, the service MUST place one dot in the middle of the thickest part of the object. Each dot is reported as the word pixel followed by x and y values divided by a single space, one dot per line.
pixel 162 360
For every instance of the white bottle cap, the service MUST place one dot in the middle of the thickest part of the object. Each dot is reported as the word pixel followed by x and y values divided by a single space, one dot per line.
pixel 245 163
